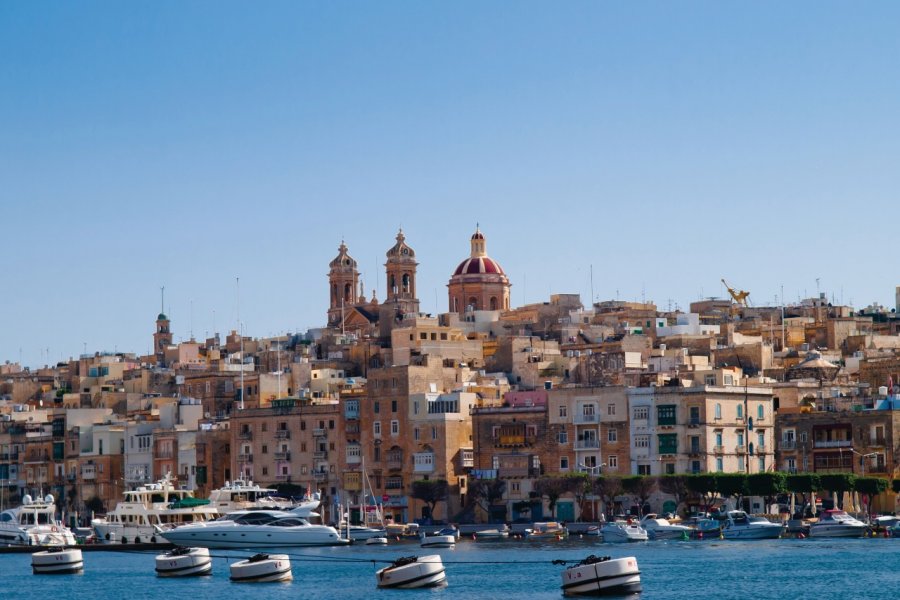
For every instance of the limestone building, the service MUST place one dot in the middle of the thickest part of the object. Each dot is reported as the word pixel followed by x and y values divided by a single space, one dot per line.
pixel 478 283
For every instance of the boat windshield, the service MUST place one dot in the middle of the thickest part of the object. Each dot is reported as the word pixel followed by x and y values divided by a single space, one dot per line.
pixel 759 520
pixel 289 522
pixel 254 518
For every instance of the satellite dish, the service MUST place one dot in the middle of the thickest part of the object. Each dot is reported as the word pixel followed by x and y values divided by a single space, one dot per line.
pixel 49 498
pixel 26 499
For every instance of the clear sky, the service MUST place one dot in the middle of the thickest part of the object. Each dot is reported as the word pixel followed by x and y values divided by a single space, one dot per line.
pixel 665 144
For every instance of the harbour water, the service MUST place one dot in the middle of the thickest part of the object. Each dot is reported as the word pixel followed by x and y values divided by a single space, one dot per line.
pixel 810 568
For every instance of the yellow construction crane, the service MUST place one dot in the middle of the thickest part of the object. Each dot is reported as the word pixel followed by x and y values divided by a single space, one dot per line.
pixel 740 298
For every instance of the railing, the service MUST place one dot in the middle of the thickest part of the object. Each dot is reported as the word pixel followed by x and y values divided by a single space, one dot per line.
pixel 504 473
pixel 719 449
pixel 245 458
pixel 587 444
pixel 740 449
pixel 283 455
pixel 320 454
pixel 320 476
pixel 394 463
pixel 583 419
pixel 283 434
pixel 694 451
pixel 353 460
pixel 668 449
pixel 351 414
pixel 282 477
pixel 245 435
pixel 694 423
pixel 877 441
pixel 788 444
pixel 351 428
pixel 832 444
pixel 319 432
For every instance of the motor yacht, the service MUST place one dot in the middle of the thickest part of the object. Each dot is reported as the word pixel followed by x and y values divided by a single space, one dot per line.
pixel 741 526
pixel 255 529
pixel 621 531
pixel 149 510
pixel 244 495
pixel 837 523
pixel 661 529
pixel 34 524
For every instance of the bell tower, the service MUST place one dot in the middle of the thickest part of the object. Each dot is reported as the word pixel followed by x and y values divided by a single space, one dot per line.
pixel 163 336
pixel 401 300
pixel 343 283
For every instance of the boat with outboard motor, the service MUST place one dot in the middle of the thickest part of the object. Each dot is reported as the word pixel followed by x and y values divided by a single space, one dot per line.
pixel 255 529
pixel 34 523
pixel 149 510
pixel 741 526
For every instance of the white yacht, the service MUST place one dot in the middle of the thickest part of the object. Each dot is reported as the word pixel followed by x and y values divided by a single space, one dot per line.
pixel 620 531
pixel 255 529
pixel 34 524
pixel 741 526
pixel 246 495
pixel 837 523
pixel 661 529
pixel 146 512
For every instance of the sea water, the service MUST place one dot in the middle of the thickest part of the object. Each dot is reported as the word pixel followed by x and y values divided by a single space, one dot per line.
pixel 839 569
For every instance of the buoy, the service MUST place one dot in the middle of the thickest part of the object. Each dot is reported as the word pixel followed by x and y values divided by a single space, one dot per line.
pixel 57 561
pixel 184 562
pixel 262 567
pixel 413 572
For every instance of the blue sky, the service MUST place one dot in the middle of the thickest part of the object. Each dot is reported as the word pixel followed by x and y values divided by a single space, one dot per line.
pixel 667 144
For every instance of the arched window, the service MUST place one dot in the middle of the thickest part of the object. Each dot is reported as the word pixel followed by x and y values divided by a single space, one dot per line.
pixel 473 302
pixel 334 293
pixel 493 303
pixel 393 289
pixel 406 283
pixel 347 292
pixel 760 412
pixel 718 411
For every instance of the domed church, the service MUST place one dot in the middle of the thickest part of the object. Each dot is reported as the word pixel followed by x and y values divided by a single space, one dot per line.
pixel 479 282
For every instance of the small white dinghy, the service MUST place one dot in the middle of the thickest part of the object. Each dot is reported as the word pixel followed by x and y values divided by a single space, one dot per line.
pixel 377 541
pixel 184 562
pixel 602 576
pixel 438 541
pixel 413 572
pixel 262 568
pixel 57 561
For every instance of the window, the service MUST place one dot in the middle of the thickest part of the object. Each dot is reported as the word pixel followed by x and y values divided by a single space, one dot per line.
pixel 710 380
pixel 395 427
pixel 668 443
pixel 762 464
pixel 393 406
pixel 718 411
pixel 376 428
pixel 670 468
pixel 740 411
pixel 562 437
pixel 665 414
pixel 434 433
pixel 515 487
pixel 302 425
pixel 264 427
pixel 564 463
pixel 694 415
pixel 803 438
pixel 760 412
pixel 740 439
pixel 612 436
pixel 612 461
pixel 642 441
pixel 376 407
pixel 265 449
pixel 416 434
pixel 265 470
pixel 641 413
pixel 611 409
pixel 760 441
pixel 563 411
pixel 719 464
pixel 695 466
pixel 643 469
pixel 740 466
pixel 729 380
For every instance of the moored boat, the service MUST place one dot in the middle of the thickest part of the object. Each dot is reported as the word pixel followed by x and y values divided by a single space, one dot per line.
pixel 661 529
pixel 491 534
pixel 546 530
pixel 413 572
pixel 262 568
pixel 602 576
pixel 34 524
pixel 184 562
pixel 57 561
pixel 620 531
pixel 837 523
pixel 741 526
